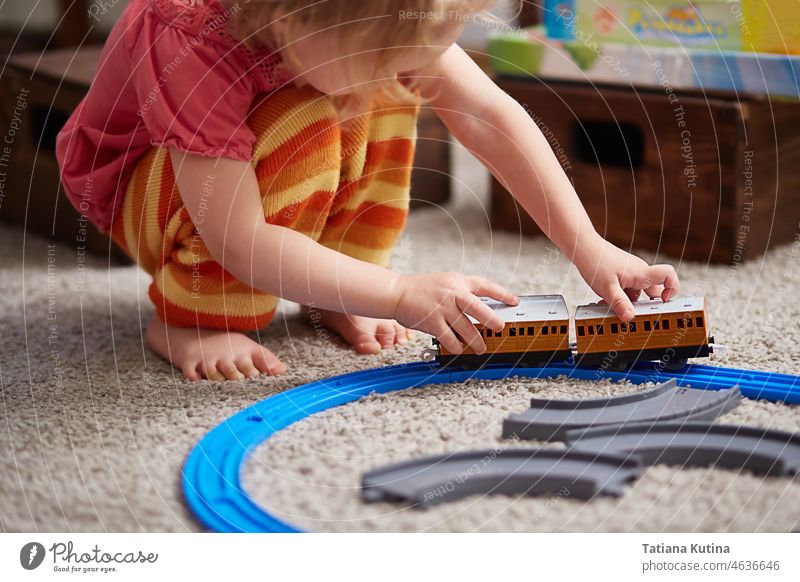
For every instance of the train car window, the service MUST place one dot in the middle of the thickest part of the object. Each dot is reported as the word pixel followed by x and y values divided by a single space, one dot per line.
pixel 681 323
pixel 591 330
pixel 647 326
pixel 553 329
pixel 600 329
pixel 488 332
pixel 632 327
pixel 689 322
pixel 522 331
pixel 512 332
pixel 666 324
pixel 530 330
pixel 623 327
pixel 699 321
pixel 544 330
pixel 563 330
pixel 581 331
pixel 614 328
pixel 656 325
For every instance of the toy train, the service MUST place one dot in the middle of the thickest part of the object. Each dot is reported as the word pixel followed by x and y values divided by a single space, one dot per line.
pixel 537 333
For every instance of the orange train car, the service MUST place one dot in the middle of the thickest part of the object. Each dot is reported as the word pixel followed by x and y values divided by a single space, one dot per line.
pixel 670 332
pixel 537 333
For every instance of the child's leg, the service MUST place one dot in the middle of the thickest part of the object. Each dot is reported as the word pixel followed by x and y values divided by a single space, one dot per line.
pixel 371 208
pixel 200 306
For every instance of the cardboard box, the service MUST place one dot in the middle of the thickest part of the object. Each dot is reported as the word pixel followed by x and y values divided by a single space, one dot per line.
pixel 732 25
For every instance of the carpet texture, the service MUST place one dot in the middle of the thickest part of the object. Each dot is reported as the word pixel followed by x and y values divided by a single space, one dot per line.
pixel 95 427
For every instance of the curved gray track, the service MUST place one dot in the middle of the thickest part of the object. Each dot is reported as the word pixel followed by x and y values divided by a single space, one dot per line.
pixel 441 478
pixel 701 444
pixel 551 419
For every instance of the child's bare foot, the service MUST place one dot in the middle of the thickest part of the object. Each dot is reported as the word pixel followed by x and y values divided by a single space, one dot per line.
pixel 211 353
pixel 366 334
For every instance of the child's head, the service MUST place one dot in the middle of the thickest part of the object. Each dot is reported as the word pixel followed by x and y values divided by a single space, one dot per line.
pixel 354 46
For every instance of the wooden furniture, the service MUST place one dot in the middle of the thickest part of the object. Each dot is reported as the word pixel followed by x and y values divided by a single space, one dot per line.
pixel 50 86
pixel 707 178
pixel 74 22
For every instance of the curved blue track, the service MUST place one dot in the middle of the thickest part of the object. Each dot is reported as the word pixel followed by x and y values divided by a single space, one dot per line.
pixel 212 473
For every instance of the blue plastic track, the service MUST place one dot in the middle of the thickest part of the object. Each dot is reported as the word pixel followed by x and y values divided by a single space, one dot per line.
pixel 212 473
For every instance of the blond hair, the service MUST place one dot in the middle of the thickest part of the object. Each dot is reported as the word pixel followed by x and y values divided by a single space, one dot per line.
pixel 398 23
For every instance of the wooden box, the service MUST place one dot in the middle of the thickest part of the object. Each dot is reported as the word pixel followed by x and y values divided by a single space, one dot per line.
pixel 706 178
pixel 40 90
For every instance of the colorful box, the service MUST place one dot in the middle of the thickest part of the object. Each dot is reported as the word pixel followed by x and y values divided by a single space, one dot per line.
pixel 532 53
pixel 752 25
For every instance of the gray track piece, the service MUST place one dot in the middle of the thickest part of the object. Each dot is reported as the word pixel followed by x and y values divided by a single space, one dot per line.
pixel 696 444
pixel 441 478
pixel 551 419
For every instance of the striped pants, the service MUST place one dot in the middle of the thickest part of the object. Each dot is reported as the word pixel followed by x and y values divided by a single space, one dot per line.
pixel 347 188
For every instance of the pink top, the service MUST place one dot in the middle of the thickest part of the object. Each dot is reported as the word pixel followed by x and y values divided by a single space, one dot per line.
pixel 169 75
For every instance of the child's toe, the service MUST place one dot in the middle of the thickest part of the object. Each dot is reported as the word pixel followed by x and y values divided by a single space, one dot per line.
pixel 230 370
pixel 247 367
pixel 267 362
pixel 366 344
pixel 400 335
pixel 212 373
pixel 385 333
pixel 191 372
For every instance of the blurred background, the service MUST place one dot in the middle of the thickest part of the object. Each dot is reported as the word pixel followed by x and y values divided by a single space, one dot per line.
pixel 675 120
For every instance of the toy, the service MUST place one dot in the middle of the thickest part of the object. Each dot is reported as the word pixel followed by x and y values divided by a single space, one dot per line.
pixel 670 332
pixel 737 25
pixel 696 444
pixel 537 332
pixel 442 478
pixel 551 419
pixel 211 477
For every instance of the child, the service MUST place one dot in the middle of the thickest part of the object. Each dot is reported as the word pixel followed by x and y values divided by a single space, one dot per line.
pixel 242 152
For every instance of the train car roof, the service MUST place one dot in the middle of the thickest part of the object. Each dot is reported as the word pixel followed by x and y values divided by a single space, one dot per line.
pixel 645 307
pixel 530 308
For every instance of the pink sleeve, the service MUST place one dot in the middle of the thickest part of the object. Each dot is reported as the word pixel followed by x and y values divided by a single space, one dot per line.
pixel 190 96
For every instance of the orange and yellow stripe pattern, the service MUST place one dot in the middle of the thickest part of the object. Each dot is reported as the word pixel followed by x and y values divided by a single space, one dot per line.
pixel 346 187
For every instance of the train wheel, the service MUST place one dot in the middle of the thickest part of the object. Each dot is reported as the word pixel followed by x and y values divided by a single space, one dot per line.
pixel 620 366
pixel 676 365
pixel 429 354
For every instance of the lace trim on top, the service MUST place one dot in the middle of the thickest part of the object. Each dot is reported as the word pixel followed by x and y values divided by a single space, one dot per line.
pixel 207 20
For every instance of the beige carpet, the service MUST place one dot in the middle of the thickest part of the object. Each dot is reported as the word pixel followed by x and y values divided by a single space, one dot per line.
pixel 94 428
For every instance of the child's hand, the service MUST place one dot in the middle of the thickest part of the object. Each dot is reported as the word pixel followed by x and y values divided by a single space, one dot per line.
pixel 436 303
pixel 619 277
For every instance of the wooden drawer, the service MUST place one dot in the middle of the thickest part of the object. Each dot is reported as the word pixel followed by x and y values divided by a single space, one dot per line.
pixel 710 179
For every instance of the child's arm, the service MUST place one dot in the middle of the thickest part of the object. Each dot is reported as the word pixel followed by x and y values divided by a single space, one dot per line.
pixel 499 132
pixel 229 217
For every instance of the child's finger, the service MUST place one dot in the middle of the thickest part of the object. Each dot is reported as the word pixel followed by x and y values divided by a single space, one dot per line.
pixel 619 302
pixel 665 275
pixel 654 291
pixel 449 340
pixel 485 288
pixel 485 315
pixel 466 330
pixel 633 294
